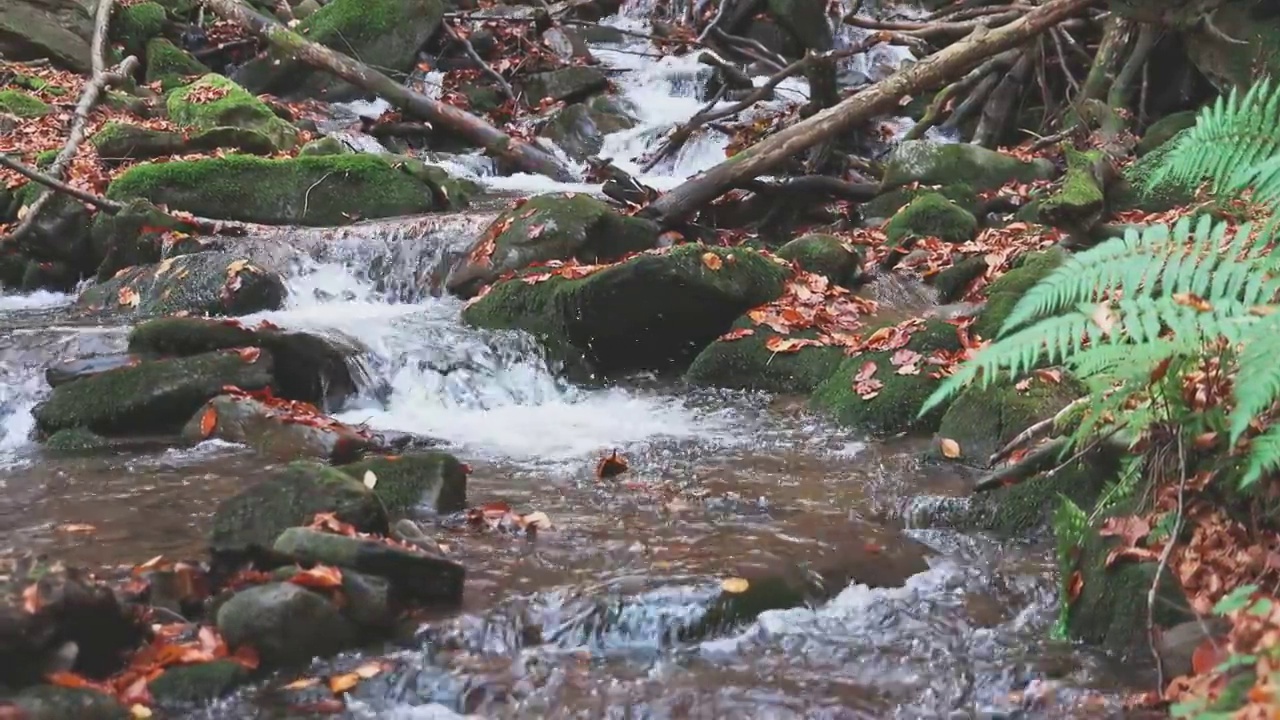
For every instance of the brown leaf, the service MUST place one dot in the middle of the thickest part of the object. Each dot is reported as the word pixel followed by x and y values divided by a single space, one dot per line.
pixel 611 466
pixel 950 448
pixel 737 334
pixel 735 585
pixel 865 372
pixel 208 422
pixel 1125 552
pixel 339 684
pixel 712 261
pixel 77 528
pixel 535 231
pixel 320 576
pixel 249 354
pixel 779 344
pixel 1053 376
pixel 1193 301
pixel 128 297
pixel 301 683
pixel 1131 529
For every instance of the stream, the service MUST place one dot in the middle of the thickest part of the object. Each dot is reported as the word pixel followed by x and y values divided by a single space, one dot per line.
pixel 582 620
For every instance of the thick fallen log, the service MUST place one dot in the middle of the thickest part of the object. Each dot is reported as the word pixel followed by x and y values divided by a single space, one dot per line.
pixel 495 142
pixel 882 97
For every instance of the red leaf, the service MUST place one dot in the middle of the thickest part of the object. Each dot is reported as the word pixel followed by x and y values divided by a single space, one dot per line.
pixel 866 371
pixel 610 466
pixel 320 576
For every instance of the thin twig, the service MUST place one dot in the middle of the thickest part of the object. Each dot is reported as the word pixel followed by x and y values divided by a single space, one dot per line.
pixel 1034 431
pixel 1164 561
pixel 470 50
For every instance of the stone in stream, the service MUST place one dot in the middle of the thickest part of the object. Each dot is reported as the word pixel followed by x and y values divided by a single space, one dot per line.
pixel 213 101
pixel 248 523
pixel 930 215
pixel 747 364
pixel 286 623
pixel 416 577
pixel 61 373
pixel 182 686
pixel 123 141
pixel 825 255
pixel 50 702
pixel 650 312
pixel 981 420
pixel 307 367
pixel 279 430
pixel 568 85
pixel 153 397
pixel 550 227
pixel 140 234
pixel 436 480
pixel 579 129
pixel 932 163
pixel 206 283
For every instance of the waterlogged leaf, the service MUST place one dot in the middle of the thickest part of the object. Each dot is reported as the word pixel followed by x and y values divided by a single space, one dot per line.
pixel 339 684
pixel 249 355
pixel 77 528
pixel 950 448
pixel 611 466
pixel 737 334
pixel 319 577
pixel 369 670
pixel 712 261
pixel 208 422
pixel 1075 586
pixel 128 297
pixel 302 684
pixel 535 231
pixel 370 480
pixel 865 372
pixel 1235 600
pixel 734 585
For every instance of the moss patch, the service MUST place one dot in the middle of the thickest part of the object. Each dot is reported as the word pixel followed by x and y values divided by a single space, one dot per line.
pixel 931 215
pixel 981 420
pixel 199 683
pixel 746 364
pixel 825 255
pixel 1004 292
pixel 23 104
pixel 887 204
pixel 1079 201
pixel 932 163
pixel 170 65
pixel 436 480
pixel 134 25
pixel 191 107
pixel 1138 193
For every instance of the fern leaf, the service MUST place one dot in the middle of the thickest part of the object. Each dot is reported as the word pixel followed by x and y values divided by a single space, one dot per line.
pixel 1236 133
pixel 1257 385
pixel 1264 456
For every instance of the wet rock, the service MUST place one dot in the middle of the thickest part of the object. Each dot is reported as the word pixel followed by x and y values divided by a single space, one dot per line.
pixel 138 235
pixel 306 367
pixel 884 206
pixel 931 215
pixel 447 192
pixel 170 65
pixel 73 441
pixel 123 141
pixel 896 407
pixel 953 282
pixel 67 371
pixel 638 314
pixel 249 522
pixel 369 600
pixel 327 145
pixel 436 480
pixel 579 129
pixel 566 44
pixel 49 702
pixel 213 101
pixel 932 163
pixel 311 190
pixel 1137 190
pixel 276 431
pixel 825 255
pixel 185 685
pixel 1164 130
pixel 550 227
pixel 415 577
pixel 385 34
pixel 22 104
pixel 134 25
pixel 983 419
pixel 286 623
pixel 806 20
pixel 152 397
pixel 207 283
pixel 747 364
pixel 1005 291
pixel 80 621
pixel 60 235
pixel 567 85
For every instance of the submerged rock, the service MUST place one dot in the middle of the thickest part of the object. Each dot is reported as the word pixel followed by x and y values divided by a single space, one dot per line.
pixel 183 685
pixel 279 432
pixel 286 623
pixel 416 577
pixel 249 522
pixel 550 227
pixel 436 480
pixel 151 397
pixel 932 163
pixel 654 311
pixel 206 283
pixel 579 129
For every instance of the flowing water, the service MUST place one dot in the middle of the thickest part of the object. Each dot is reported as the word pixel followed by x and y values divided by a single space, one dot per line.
pixel 586 620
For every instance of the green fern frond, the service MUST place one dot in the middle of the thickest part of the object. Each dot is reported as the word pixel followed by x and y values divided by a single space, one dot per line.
pixel 1235 133
pixel 1264 456
pixel 1257 385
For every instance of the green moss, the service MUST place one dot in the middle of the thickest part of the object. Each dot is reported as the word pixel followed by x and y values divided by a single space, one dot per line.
pixel 134 25
pixel 195 283
pixel 982 419
pixel 1165 129
pixel 1004 292
pixel 318 190
pixel 449 193
pixel 327 145
pixel 896 407
pixel 75 440
pixel 825 255
pixel 931 215
pixel 954 282
pixel 170 65
pixel 406 482
pixel 23 104
pixel 35 84
pixel 887 204
pixel 235 108
pixel 932 163
pixel 746 364
pixel 1079 201
pixel 1136 191
pixel 199 683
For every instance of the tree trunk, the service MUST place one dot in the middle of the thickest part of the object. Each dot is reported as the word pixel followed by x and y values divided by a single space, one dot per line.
pixel 879 98
pixel 495 142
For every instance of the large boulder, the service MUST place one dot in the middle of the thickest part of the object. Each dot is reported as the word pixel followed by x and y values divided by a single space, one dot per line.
pixel 286 623
pixel 59 30
pixel 1238 46
pixel 181 686
pixel 745 362
pixel 931 215
pixel 310 190
pixel 931 163
pixel 278 429
pixel 826 255
pixel 385 34
pixel 151 397
pixel 125 141
pixel 981 420
pixel 248 523
pixel 214 101
pixel 140 234
pixel 579 129
pixel 653 311
pixel 206 283
pixel 416 577
pixel 170 65
pixel 435 480
pixel 550 227
pixel 569 84
pixel 307 367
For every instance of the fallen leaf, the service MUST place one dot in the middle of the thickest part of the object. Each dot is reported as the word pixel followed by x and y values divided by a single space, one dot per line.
pixel 320 576
pixel 950 448
pixel 31 599
pixel 140 711
pixel 236 266
pixel 302 683
pixel 128 297
pixel 1053 376
pixel 737 334
pixel 342 683
pixel 1208 654
pixel 1130 528
pixel 734 585
pixel 1075 586
pixel 866 371
pixel 370 669
pixel 1193 301
pixel 249 354
pixel 780 344
pixel 370 480
pixel 611 466
pixel 77 528
pixel 208 422
pixel 712 261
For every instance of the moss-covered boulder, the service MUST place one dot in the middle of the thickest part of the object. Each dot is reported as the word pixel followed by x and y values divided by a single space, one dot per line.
pixel 932 163
pixel 276 430
pixel 316 190
pixel 931 215
pixel 118 141
pixel 416 577
pixel 207 283
pixel 184 685
pixel 287 624
pixel 653 311
pixel 1005 291
pixel 249 522
pixel 982 420
pixel 327 145
pixel 23 104
pixel 825 255
pixel 896 406
pixel 308 367
pixel 447 192
pixel 953 283
pixel 140 234
pixel 550 227
pixel 152 397
pixel 60 234
pixel 385 34
pixel 805 20
pixel 75 441
pixel 887 204
pixel 51 702
pixel 579 129
pixel 1078 203
pixel 1137 190
pixel 746 363
pixel 435 480
pixel 214 101
pixel 1164 130
pixel 170 65
pixel 133 25
pixel 569 84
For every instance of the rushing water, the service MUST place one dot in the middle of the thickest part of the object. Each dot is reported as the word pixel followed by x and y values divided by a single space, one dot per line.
pixel 585 620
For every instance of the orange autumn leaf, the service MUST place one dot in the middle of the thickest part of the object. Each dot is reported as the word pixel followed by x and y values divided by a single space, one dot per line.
pixel 31 599
pixel 320 577
pixel 208 422
pixel 128 297
pixel 339 684
pixel 611 466
pixel 866 371
pixel 780 344
pixel 950 448
pixel 1208 655
pixel 737 334
pixel 712 261
pixel 301 684
pixel 249 354
pixel 1075 586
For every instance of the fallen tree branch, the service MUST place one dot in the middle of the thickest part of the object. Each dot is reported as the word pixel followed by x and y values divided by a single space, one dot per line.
pixel 1042 458
pixel 1034 431
pixel 879 98
pixel 522 155
pixel 822 185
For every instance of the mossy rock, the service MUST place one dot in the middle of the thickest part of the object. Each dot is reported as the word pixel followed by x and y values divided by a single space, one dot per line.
pixel 1136 192
pixel 204 283
pixel 482 99
pixel 1079 201
pixel 747 364
pixel 151 397
pixel 651 312
pixel 983 419
pixel 436 480
pixel 287 624
pixel 132 26
pixel 932 163
pixel 235 107
pixel 1165 129
pixel 825 255
pixel 568 85
pixel 182 685
pixel 75 441
pixel 23 104
pixel 1005 291
pixel 327 145
pixel 447 192
pixel 550 227
pixel 118 141
pixel 887 204
pixel 249 522
pixel 931 215
pixel 170 65
pixel 579 129
pixel 953 282
pixel 51 702
pixel 897 406
pixel 805 20
pixel 36 84
pixel 135 236
pixel 319 190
